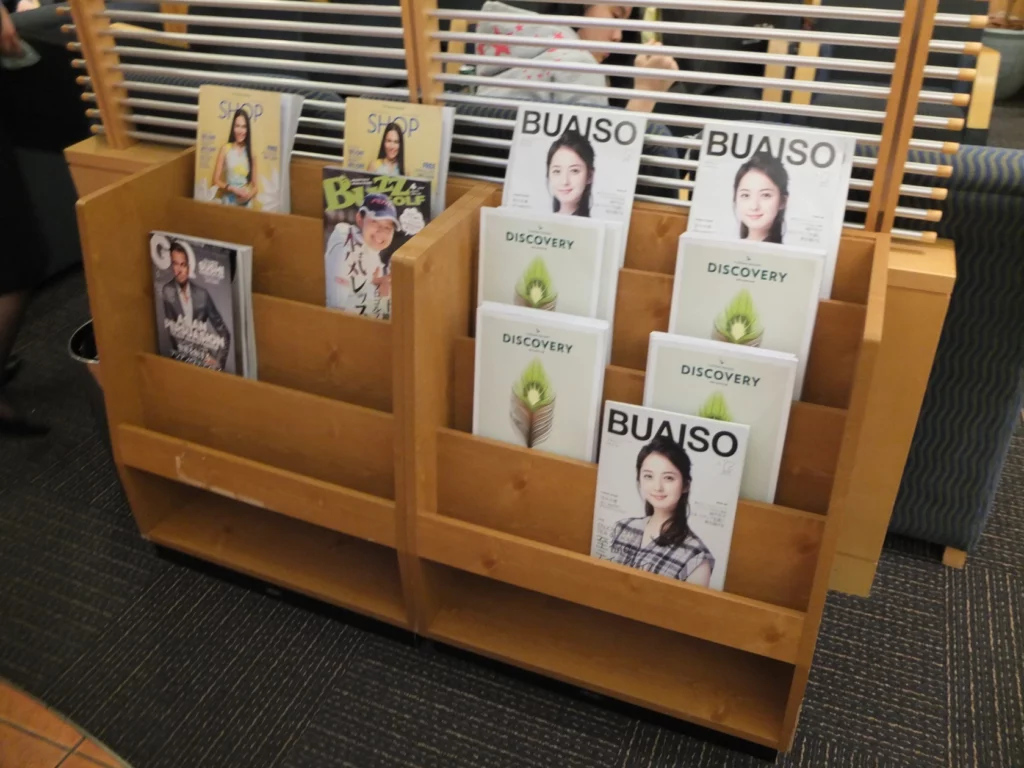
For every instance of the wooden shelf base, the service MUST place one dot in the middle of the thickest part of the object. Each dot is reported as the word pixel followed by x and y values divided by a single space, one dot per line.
pixel 329 566
pixel 703 683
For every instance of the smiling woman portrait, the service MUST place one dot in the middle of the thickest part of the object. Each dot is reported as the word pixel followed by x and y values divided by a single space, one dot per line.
pixel 661 541
pixel 760 194
pixel 570 174
pixel 235 172
pixel 391 155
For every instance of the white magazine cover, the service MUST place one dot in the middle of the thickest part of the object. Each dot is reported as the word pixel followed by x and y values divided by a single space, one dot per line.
pixel 775 184
pixel 673 480
pixel 575 161
pixel 753 294
pixel 727 382
pixel 544 262
pixel 539 378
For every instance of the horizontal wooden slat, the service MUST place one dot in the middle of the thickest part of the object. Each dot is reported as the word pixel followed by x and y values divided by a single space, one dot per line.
pixel 303 498
pixel 287 250
pixel 809 458
pixel 550 500
pixel 332 441
pixel 324 565
pixel 711 685
pixel 737 622
pixel 323 351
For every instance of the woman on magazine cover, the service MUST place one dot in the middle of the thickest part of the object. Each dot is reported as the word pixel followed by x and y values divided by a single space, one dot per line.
pixel 570 172
pixel 391 156
pixel 760 194
pixel 235 169
pixel 661 541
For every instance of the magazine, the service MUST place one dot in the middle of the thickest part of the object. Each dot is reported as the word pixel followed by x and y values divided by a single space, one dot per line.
pixel 679 474
pixel 244 143
pixel 727 382
pixel 367 218
pixel 754 294
pixel 775 184
pixel 575 161
pixel 538 379
pixel 202 293
pixel 540 261
pixel 396 138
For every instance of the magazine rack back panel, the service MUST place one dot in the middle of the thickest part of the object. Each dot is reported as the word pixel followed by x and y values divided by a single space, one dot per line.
pixel 503 532
pixel 260 476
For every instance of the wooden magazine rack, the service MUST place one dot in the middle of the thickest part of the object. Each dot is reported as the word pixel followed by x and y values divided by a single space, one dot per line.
pixel 290 478
pixel 347 472
pixel 501 534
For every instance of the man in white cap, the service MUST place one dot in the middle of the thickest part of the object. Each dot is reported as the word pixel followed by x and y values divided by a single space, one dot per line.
pixel 358 281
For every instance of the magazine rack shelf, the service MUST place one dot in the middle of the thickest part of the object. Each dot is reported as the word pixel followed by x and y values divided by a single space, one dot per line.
pixel 501 534
pixel 347 471
pixel 290 478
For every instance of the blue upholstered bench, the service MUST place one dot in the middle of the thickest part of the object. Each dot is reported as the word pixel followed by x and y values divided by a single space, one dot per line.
pixel 975 390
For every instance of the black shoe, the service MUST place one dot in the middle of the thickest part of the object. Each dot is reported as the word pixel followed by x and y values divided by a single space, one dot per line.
pixel 10 370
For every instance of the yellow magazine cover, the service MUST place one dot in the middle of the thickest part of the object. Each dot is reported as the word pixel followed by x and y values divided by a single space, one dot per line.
pixel 238 148
pixel 394 138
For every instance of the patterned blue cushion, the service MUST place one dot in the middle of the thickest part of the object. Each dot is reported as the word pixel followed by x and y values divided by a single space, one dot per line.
pixel 974 392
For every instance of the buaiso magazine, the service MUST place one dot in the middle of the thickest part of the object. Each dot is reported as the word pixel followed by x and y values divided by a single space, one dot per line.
pixel 757 182
pixel 582 162
pixel 667 489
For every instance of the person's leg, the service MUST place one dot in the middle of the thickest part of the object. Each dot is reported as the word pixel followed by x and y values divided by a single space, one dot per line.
pixel 12 312
pixel 21 260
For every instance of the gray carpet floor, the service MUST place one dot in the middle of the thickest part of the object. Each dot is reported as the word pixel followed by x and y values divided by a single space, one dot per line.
pixel 172 667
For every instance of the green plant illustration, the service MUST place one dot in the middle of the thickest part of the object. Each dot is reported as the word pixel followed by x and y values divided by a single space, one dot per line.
pixel 535 288
pixel 533 404
pixel 739 323
pixel 715 408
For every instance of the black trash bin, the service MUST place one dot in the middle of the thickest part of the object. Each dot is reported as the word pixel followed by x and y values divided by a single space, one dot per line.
pixel 82 349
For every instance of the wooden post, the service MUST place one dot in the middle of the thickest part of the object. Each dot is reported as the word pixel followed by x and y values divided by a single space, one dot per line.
pixel 851 451
pixel 431 308
pixel 901 108
pixel 100 63
pixel 775 70
pixel 420 47
pixel 175 26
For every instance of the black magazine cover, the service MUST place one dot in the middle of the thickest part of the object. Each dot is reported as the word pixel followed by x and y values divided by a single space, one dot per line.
pixel 195 305
pixel 367 217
